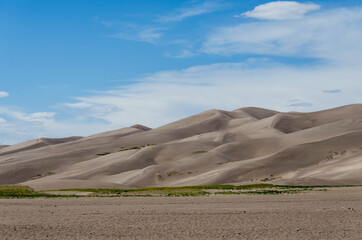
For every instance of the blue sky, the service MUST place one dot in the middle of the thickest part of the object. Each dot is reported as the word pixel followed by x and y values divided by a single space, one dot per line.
pixel 82 67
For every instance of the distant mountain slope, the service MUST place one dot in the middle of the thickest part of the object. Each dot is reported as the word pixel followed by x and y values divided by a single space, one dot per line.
pixel 247 145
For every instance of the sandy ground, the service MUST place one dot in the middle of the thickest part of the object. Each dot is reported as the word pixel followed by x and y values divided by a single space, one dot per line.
pixel 335 214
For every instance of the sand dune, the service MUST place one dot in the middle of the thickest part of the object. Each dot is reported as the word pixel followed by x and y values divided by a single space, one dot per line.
pixel 36 143
pixel 247 145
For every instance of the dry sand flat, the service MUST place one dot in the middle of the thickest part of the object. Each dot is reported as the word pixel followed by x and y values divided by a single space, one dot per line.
pixel 335 214
pixel 247 145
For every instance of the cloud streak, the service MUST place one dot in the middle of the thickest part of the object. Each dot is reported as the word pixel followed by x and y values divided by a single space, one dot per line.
pixel 281 10
pixel 3 94
pixel 331 35
pixel 18 126
pixel 195 10
pixel 163 97
pixel 333 91
pixel 301 104
pixel 169 95
pixel 151 33
pixel 139 33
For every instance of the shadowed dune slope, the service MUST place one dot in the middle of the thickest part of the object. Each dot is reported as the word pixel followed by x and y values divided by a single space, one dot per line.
pixel 292 122
pixel 247 145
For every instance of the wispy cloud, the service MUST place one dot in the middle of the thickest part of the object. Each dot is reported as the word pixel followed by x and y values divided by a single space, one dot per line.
pixel 3 94
pixel 331 34
pixel 163 97
pixel 31 117
pixel 301 104
pixel 333 91
pixel 281 10
pixel 142 34
pixel 18 126
pixel 152 32
pixel 3 121
pixel 185 53
pixel 195 10
pixel 169 95
pixel 134 32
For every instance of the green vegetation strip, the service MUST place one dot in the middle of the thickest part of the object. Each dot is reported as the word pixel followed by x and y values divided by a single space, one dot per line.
pixel 262 192
pixel 156 191
pixel 27 192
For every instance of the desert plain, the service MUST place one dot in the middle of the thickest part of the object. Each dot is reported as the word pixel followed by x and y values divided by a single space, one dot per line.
pixel 332 214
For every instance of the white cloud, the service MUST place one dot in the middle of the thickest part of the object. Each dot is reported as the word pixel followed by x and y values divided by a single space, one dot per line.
pixel 30 117
pixel 134 32
pixel 3 94
pixel 167 96
pixel 20 126
pixel 163 97
pixel 199 9
pixel 183 54
pixel 150 34
pixel 38 116
pixel 281 10
pixel 333 35
pixel 3 121
pixel 333 91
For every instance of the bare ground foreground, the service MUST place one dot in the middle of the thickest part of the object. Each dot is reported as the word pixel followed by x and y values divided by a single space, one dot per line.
pixel 334 214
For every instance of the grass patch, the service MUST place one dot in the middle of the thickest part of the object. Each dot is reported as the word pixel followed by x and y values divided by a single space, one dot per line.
pixel 131 148
pixel 103 154
pixel 42 175
pixel 255 189
pixel 199 152
pixel 8 160
pixel 179 189
pixel 25 192
pixel 233 187
pixel 154 192
pixel 169 191
pixel 262 192
pixel 136 147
